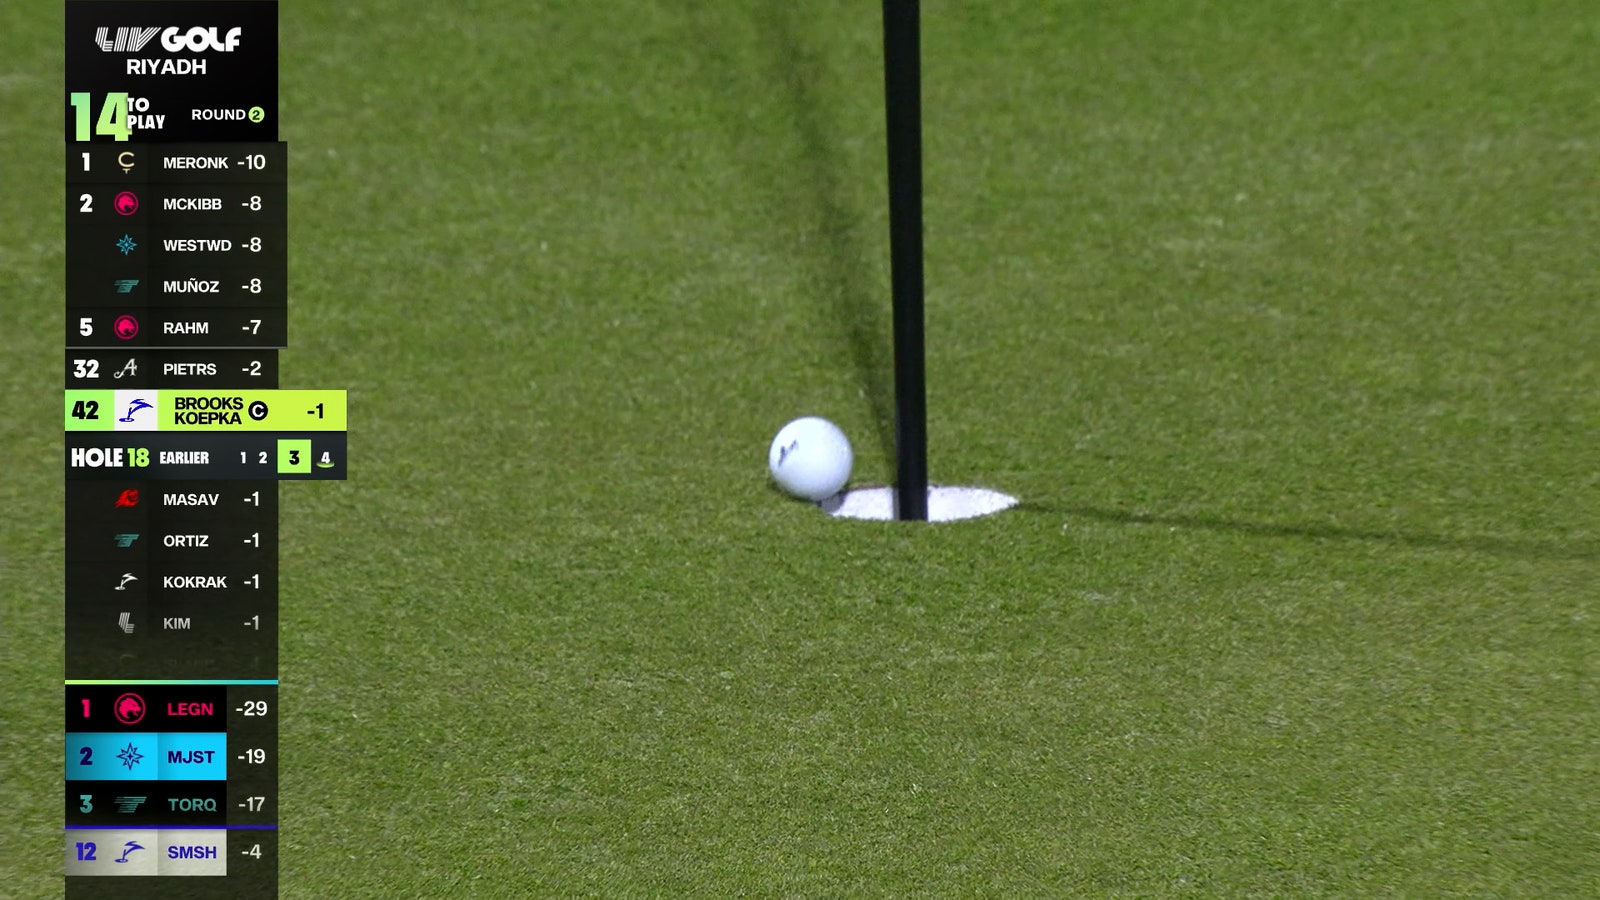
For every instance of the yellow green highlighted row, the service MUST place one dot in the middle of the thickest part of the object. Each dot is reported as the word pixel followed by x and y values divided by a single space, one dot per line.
pixel 156 409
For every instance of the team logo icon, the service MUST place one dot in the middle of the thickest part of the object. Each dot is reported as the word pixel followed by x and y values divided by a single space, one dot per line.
pixel 125 203
pixel 134 407
pixel 129 709
pixel 125 327
pixel 126 244
pixel 130 846
pixel 130 757
pixel 129 497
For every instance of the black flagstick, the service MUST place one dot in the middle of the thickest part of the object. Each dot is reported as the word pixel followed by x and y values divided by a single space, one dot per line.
pixel 902 87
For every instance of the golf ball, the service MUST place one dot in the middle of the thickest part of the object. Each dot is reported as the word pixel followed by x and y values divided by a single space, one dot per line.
pixel 810 458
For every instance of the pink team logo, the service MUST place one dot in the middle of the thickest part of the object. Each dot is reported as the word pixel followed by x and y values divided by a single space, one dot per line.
pixel 126 203
pixel 125 327
pixel 129 709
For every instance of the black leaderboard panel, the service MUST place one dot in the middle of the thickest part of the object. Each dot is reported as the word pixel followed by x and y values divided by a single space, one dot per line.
pixel 176 436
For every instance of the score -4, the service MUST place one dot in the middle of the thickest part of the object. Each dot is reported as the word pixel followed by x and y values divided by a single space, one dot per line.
pixel 113 121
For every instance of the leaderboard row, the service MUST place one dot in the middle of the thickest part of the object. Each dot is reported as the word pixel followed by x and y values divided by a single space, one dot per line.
pixel 172 778
pixel 171 579
pixel 170 753
pixel 128 409
pixel 248 854
pixel 285 456
pixel 197 368
pixel 131 325
pixel 182 245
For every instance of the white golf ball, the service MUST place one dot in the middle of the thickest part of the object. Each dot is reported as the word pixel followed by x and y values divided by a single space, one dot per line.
pixel 810 458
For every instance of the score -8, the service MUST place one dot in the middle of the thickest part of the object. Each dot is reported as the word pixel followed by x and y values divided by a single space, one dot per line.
pixel 113 120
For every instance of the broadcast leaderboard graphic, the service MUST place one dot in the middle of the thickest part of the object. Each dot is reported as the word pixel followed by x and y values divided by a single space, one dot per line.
pixel 176 436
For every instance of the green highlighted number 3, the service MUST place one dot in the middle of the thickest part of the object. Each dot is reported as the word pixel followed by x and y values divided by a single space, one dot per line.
pixel 113 121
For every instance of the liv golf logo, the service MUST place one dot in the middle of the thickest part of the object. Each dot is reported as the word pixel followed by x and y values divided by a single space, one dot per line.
pixel 175 40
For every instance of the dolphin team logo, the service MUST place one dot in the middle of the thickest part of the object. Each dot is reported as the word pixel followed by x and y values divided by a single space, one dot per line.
pixel 135 406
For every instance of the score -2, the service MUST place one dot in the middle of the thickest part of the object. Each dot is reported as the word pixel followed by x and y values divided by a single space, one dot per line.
pixel 207 364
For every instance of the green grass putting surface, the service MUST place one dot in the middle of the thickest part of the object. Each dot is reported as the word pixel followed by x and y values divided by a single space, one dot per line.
pixel 1278 319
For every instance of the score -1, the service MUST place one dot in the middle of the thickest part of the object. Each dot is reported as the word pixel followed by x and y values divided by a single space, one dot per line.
pixel 113 121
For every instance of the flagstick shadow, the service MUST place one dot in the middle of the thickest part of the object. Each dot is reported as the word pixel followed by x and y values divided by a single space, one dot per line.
pixel 859 314
pixel 834 249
